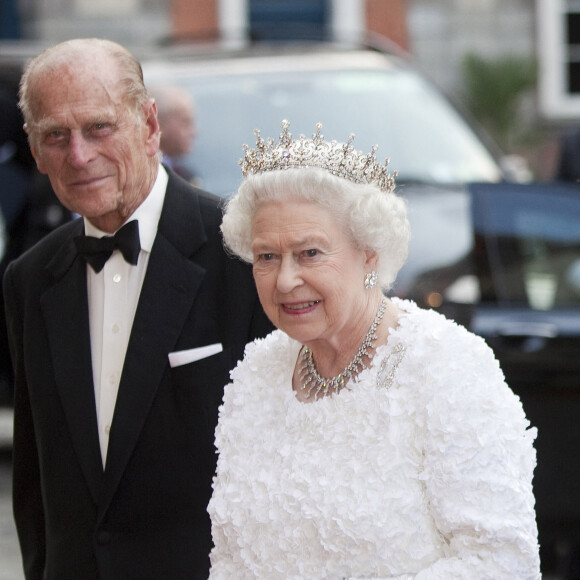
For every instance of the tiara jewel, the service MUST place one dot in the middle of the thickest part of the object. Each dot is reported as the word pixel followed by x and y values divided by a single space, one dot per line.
pixel 341 159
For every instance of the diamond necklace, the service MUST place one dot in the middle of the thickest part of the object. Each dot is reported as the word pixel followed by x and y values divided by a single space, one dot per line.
pixel 312 382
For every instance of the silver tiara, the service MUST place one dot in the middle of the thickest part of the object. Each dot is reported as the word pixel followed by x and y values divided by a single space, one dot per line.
pixel 341 159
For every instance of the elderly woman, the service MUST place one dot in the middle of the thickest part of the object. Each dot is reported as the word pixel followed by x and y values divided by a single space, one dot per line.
pixel 365 438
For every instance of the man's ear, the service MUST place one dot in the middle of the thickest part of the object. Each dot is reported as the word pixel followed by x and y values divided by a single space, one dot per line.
pixel 34 151
pixel 153 129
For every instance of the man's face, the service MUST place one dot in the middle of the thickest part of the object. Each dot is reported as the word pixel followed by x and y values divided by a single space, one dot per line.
pixel 97 150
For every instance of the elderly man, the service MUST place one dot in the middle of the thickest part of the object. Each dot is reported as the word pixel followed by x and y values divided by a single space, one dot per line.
pixel 121 345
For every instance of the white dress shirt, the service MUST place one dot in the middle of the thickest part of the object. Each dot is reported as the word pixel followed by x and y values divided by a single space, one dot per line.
pixel 113 295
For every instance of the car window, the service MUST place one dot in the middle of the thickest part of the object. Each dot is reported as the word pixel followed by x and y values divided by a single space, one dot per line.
pixel 424 137
pixel 439 266
pixel 531 239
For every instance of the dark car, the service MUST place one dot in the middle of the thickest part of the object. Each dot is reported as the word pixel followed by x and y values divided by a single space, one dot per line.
pixel 512 275
pixel 501 258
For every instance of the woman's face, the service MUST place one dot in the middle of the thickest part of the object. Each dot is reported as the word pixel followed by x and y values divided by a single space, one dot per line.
pixel 309 277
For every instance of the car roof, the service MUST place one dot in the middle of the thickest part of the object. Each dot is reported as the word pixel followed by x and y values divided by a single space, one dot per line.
pixel 269 59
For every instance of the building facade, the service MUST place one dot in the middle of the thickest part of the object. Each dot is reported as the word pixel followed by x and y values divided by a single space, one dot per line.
pixel 437 34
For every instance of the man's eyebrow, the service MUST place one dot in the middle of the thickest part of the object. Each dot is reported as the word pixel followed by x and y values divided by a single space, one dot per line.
pixel 44 125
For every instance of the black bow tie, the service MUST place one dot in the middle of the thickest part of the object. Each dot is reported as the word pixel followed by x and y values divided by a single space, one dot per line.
pixel 96 251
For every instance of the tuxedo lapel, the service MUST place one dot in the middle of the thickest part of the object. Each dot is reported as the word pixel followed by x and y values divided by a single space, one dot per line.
pixel 65 309
pixel 169 289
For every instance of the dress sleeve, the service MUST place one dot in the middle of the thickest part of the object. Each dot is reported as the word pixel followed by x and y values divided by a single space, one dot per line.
pixel 478 466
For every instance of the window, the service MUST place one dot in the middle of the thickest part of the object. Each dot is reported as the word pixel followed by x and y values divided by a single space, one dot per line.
pixel 532 242
pixel 559 53
pixel 288 19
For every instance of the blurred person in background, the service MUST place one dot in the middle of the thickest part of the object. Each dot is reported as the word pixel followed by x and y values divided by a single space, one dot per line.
pixel 123 325
pixel 16 164
pixel 176 113
pixel 28 206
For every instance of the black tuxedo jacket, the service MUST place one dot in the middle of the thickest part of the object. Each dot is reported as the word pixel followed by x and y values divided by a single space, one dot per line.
pixel 143 517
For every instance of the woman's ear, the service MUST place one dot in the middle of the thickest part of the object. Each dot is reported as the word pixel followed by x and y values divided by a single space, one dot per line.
pixel 371 260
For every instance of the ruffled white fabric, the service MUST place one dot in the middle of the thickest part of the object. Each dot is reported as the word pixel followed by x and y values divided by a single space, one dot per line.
pixel 429 478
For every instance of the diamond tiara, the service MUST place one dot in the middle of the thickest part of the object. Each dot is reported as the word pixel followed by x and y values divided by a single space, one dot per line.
pixel 341 159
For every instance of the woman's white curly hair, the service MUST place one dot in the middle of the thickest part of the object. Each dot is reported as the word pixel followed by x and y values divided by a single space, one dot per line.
pixel 374 219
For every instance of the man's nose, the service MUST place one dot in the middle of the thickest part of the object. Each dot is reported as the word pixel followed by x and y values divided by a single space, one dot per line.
pixel 80 150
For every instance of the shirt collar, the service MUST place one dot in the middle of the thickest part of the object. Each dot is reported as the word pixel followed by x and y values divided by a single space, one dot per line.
pixel 148 213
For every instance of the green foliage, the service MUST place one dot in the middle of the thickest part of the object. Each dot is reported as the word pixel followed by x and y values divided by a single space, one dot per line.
pixel 494 91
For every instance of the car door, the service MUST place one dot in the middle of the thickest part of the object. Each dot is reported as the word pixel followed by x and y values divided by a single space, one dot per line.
pixel 527 257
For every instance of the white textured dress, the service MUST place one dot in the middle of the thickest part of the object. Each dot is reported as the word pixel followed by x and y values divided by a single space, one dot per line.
pixel 421 469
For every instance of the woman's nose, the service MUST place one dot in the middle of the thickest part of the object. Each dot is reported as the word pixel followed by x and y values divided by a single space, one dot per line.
pixel 289 275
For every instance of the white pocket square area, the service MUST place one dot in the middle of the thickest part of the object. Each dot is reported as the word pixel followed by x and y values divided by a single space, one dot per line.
pixel 184 357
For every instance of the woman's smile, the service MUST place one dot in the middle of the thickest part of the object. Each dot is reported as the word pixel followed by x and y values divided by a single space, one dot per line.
pixel 300 307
